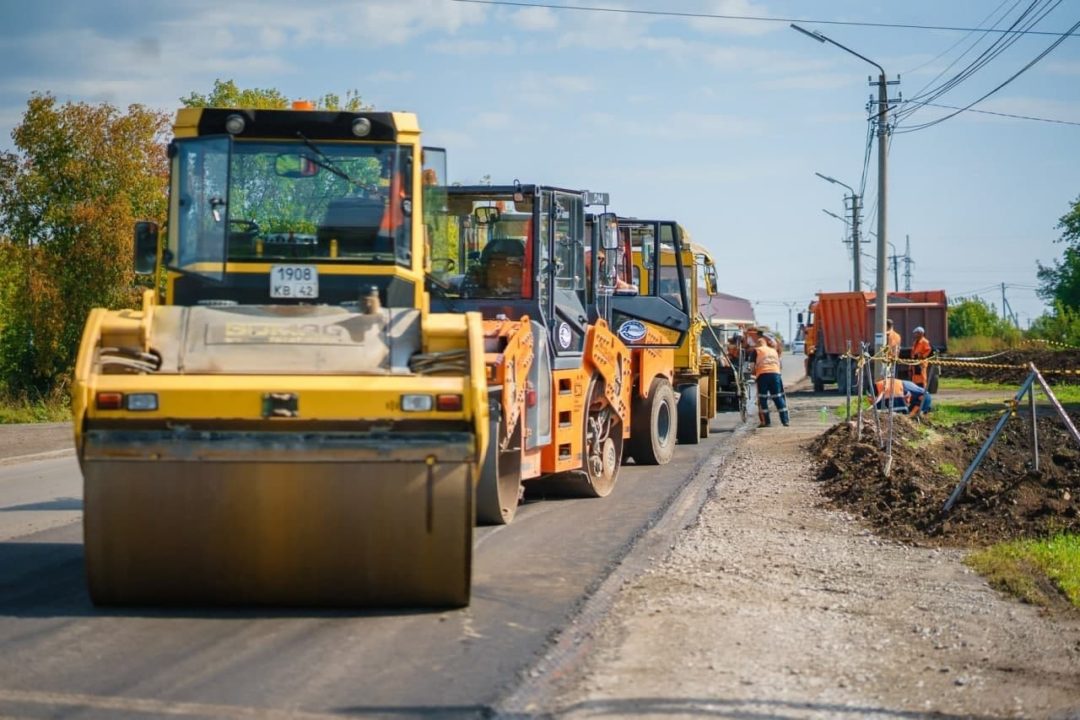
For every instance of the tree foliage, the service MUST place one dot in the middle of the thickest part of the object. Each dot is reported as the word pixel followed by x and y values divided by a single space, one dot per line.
pixel 226 94
pixel 1060 283
pixel 974 317
pixel 81 175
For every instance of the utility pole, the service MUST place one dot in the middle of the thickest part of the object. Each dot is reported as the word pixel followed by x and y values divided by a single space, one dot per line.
pixel 907 264
pixel 881 312
pixel 855 209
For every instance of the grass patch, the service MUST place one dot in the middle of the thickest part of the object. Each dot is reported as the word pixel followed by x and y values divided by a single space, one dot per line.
pixel 1067 393
pixel 1031 569
pixel 951 383
pixel 948 414
pixel 25 410
pixel 950 471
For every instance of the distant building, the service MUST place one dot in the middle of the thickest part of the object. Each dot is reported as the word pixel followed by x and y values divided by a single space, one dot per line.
pixel 725 310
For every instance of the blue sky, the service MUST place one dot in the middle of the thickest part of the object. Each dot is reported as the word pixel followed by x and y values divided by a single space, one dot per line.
pixel 718 124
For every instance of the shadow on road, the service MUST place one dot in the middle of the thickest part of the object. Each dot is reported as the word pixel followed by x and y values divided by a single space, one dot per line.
pixel 43 579
pixel 57 504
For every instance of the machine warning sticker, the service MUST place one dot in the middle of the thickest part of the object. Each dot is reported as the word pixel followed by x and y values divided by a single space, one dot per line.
pixel 565 336
pixel 632 331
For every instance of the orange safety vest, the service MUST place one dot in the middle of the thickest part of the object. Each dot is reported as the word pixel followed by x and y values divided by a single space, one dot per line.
pixel 766 361
pixel 921 349
pixel 897 388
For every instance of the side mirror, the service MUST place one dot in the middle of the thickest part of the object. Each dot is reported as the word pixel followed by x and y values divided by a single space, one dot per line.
pixel 610 227
pixel 486 215
pixel 146 247
pixel 799 318
pixel 711 282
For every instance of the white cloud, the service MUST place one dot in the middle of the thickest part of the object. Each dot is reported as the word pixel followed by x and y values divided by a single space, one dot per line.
pixel 536 18
pixel 1062 67
pixel 738 27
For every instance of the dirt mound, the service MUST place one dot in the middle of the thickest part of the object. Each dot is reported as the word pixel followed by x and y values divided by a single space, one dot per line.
pixel 1005 499
pixel 1048 361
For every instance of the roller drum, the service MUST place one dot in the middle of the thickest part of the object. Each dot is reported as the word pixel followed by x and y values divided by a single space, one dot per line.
pixel 281 519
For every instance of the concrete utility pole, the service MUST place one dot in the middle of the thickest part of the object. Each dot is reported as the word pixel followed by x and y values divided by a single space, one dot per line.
pixel 882 305
pixel 856 219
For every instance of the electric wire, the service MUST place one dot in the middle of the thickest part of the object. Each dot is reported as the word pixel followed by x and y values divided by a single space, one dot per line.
pixel 1007 115
pixel 964 54
pixel 916 103
pixel 750 18
pixel 1018 73
pixel 1002 43
pixel 952 47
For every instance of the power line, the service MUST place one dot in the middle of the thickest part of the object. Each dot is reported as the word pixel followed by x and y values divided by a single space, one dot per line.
pixel 1001 114
pixel 996 48
pixel 952 47
pixel 1008 80
pixel 753 18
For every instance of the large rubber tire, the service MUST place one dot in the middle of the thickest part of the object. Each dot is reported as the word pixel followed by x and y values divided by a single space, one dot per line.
pixel 499 490
pixel 689 410
pixel 843 379
pixel 932 379
pixel 653 425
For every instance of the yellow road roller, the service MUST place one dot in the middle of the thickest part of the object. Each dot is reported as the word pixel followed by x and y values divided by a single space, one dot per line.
pixel 284 421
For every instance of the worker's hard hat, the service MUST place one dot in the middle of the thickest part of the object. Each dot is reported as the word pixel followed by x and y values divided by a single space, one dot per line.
pixel 919 330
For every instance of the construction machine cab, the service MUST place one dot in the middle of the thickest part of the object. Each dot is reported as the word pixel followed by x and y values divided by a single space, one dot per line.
pixel 511 251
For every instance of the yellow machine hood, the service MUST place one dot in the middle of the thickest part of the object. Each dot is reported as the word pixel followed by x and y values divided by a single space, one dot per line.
pixel 284 340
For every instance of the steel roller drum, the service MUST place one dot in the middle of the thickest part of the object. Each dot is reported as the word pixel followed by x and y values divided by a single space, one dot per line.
pixel 286 519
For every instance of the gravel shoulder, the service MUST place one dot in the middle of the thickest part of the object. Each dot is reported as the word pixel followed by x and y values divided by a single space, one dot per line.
pixel 773 605
pixel 34 438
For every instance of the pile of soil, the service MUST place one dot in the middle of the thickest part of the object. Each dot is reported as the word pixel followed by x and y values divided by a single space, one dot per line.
pixel 1048 361
pixel 1006 498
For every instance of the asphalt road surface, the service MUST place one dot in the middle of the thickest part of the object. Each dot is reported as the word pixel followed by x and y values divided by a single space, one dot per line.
pixel 62 657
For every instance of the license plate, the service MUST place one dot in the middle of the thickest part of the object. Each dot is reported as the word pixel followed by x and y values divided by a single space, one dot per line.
pixel 298 282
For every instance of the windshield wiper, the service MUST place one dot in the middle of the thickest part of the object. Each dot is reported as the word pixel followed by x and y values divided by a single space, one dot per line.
pixel 328 163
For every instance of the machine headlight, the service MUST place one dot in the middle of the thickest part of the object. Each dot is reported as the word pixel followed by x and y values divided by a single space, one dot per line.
pixel 416 403
pixel 234 124
pixel 361 127
pixel 142 401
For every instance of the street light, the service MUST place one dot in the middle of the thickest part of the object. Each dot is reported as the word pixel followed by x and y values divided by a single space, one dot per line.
pixel 881 306
pixel 854 226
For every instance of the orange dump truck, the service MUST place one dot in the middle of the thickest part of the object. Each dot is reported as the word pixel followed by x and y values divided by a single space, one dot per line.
pixel 838 321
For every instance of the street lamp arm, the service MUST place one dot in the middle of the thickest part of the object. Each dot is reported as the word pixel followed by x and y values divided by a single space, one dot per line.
pixel 821 38
pixel 834 181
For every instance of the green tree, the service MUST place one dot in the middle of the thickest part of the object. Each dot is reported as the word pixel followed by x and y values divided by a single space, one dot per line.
pixel 80 176
pixel 974 317
pixel 226 94
pixel 1060 283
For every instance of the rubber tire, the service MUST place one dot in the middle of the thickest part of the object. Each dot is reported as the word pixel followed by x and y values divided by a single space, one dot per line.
pixel 689 427
pixel 932 379
pixel 498 492
pixel 843 380
pixel 648 445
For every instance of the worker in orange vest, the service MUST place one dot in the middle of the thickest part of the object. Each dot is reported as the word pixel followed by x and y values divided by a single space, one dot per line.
pixel 892 340
pixel 891 393
pixel 920 351
pixel 769 383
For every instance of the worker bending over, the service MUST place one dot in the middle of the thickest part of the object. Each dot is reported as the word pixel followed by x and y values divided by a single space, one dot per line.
pixel 891 393
pixel 769 382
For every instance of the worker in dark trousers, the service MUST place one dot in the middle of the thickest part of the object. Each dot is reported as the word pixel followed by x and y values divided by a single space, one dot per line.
pixel 769 383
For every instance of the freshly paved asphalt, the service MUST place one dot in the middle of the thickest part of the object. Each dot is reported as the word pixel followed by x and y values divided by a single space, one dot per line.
pixel 62 657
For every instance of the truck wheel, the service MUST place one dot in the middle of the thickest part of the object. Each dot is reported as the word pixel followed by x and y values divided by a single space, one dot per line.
pixel 499 489
pixel 689 428
pixel 843 380
pixel 653 425
pixel 932 379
